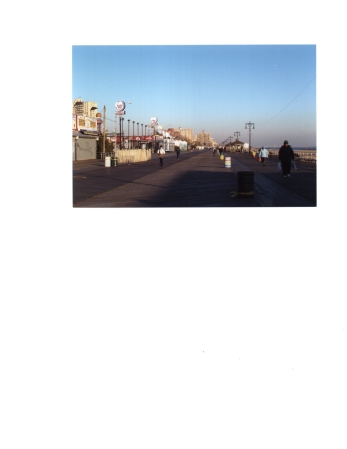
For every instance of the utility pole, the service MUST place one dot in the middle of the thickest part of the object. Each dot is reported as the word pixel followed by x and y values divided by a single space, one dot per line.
pixel 249 124
pixel 237 133
pixel 104 136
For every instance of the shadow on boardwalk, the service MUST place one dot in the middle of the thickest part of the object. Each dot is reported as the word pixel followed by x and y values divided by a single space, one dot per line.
pixel 197 180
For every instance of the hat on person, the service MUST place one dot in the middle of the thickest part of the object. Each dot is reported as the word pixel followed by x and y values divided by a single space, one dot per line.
pixel 286 141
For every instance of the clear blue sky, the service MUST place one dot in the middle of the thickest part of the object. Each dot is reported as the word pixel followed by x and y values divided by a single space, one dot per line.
pixel 216 88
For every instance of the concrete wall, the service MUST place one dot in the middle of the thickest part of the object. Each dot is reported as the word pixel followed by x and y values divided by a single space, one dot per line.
pixel 131 156
pixel 85 149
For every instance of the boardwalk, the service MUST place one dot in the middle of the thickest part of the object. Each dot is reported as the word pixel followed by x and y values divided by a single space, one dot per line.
pixel 198 179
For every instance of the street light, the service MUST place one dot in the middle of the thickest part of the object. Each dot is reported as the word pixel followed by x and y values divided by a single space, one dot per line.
pixel 146 135
pixel 104 136
pixel 138 133
pixel 128 132
pixel 120 133
pixel 123 145
pixel 249 124
pixel 133 133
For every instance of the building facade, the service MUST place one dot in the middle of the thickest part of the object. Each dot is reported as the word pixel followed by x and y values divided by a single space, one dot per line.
pixel 204 139
pixel 86 108
pixel 182 133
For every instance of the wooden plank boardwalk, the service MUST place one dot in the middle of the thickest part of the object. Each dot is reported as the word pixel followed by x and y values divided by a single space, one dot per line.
pixel 198 179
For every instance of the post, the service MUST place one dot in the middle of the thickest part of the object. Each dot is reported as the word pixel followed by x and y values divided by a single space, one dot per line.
pixel 104 136
pixel 138 134
pixel 115 133
pixel 120 133
pixel 249 124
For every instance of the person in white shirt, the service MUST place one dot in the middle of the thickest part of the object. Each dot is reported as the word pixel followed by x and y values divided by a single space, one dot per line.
pixel 161 155
pixel 263 153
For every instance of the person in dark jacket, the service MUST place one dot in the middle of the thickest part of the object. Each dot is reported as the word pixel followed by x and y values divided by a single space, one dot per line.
pixel 178 151
pixel 286 156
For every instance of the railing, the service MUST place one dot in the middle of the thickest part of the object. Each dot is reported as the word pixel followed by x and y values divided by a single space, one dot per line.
pixel 307 156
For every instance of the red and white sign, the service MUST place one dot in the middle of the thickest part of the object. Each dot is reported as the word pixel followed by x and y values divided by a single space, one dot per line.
pixel 120 106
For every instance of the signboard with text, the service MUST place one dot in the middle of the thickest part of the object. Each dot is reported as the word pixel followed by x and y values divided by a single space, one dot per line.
pixel 86 123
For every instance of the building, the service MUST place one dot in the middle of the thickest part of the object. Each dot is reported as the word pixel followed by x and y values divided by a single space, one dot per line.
pixel 84 108
pixel 204 139
pixel 181 133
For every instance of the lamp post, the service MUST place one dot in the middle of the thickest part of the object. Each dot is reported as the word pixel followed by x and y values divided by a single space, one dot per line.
pixel 120 133
pixel 133 133
pixel 123 132
pixel 249 124
pixel 138 134
pixel 141 131
pixel 128 132
pixel 104 136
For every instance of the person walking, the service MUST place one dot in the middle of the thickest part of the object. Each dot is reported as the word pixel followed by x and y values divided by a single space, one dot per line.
pixel 214 151
pixel 161 155
pixel 286 156
pixel 263 154
pixel 178 151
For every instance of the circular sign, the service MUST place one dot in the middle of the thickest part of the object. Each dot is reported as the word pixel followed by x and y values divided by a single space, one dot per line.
pixel 120 106
pixel 154 121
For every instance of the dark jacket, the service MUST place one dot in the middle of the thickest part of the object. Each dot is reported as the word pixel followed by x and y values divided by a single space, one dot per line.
pixel 286 154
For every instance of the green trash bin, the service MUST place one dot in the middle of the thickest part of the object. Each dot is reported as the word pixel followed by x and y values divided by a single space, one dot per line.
pixel 114 162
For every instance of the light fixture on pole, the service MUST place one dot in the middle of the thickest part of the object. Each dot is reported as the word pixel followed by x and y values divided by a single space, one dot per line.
pixel 249 124
pixel 120 133
pixel 104 135
pixel 123 132
pixel 138 134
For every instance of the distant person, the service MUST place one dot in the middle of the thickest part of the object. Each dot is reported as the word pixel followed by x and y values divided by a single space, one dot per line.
pixel 161 155
pixel 178 151
pixel 214 151
pixel 286 156
pixel 263 154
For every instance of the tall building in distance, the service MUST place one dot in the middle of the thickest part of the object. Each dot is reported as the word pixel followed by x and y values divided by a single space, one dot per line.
pixel 205 139
pixel 84 108
pixel 182 133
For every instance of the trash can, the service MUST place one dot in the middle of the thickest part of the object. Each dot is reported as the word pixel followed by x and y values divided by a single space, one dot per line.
pixel 245 184
pixel 108 161
pixel 227 162
pixel 114 162
pixel 221 157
